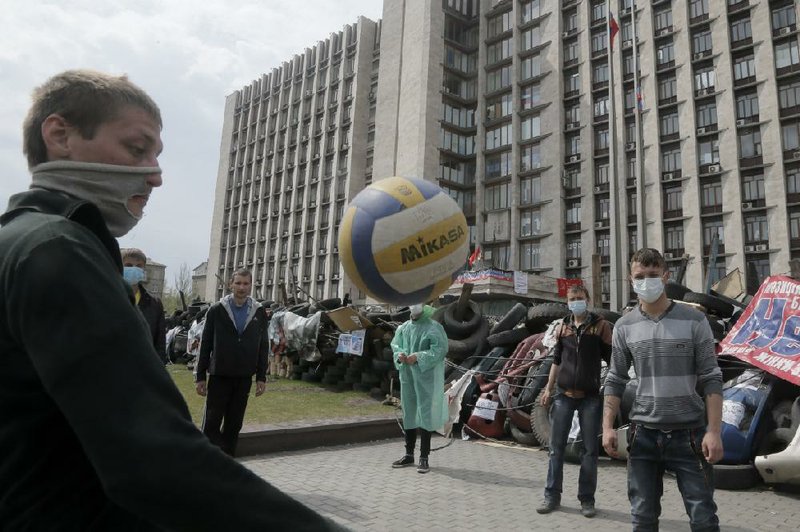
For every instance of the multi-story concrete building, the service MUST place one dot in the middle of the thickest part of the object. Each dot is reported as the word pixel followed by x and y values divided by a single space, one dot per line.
pixel 560 138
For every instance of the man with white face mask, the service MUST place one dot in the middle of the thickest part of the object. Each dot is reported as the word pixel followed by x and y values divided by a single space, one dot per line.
pixel 95 435
pixel 584 340
pixel 134 262
pixel 672 350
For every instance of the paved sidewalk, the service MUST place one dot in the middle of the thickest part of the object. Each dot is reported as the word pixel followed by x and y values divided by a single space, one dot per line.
pixel 478 486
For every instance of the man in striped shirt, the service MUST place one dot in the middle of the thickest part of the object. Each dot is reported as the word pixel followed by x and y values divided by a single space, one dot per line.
pixel 672 350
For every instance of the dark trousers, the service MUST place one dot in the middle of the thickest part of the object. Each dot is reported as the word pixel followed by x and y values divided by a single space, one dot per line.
pixel 424 442
pixel 225 405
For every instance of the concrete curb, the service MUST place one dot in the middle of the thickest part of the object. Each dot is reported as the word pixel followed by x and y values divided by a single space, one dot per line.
pixel 308 437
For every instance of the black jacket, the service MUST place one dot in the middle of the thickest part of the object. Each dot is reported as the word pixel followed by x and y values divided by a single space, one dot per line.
pixel 94 435
pixel 224 352
pixel 579 351
pixel 153 312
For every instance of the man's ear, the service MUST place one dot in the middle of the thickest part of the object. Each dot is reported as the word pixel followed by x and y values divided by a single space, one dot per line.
pixel 55 134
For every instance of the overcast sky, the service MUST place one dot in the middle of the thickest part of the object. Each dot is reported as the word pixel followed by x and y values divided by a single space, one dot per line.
pixel 188 55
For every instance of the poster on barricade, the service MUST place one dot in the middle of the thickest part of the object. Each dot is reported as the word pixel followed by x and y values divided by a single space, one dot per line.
pixel 767 335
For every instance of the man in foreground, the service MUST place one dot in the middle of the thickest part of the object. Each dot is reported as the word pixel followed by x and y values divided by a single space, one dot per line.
pixel 94 435
pixel 584 341
pixel 233 349
pixel 419 347
pixel 133 270
pixel 672 350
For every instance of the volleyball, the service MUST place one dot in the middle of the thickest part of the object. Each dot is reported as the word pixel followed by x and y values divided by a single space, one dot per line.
pixel 402 241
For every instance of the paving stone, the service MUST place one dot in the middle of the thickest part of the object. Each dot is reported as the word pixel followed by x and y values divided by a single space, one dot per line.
pixel 478 486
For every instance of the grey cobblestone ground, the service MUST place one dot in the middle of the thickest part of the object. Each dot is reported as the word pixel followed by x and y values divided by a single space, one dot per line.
pixel 479 486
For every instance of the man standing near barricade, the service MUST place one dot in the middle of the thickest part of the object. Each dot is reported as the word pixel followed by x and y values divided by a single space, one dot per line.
pixel 133 270
pixel 672 350
pixel 233 349
pixel 94 434
pixel 419 347
pixel 583 342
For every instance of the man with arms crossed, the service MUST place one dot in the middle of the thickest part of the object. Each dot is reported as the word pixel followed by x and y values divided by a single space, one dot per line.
pixel 94 435
pixel 233 348
pixel 672 350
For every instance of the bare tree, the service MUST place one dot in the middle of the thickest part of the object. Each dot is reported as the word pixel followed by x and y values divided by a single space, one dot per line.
pixel 183 281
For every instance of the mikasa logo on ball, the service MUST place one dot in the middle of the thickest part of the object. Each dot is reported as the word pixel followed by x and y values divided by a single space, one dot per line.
pixel 425 248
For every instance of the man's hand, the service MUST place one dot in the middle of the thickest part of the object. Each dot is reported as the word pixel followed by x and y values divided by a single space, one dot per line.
pixel 610 442
pixel 712 447
pixel 411 359
pixel 545 396
pixel 260 387
pixel 401 357
pixel 201 388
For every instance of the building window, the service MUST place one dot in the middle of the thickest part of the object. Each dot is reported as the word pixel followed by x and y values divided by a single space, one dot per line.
pixel 498 107
pixel 704 78
pixel 712 228
pixel 498 165
pixel 741 30
pixel 499 51
pixel 669 124
pixel 598 11
pixel 530 158
pixel 458 116
pixel 599 42
pixel 784 17
pixel 756 228
pixel 600 106
pixel 573 144
pixel 663 20
pixel 753 187
pixel 530 11
pixel 794 225
pixel 711 195
pixel 750 143
pixel 666 54
pixel 571 52
pixel 707 115
pixel 789 95
pixel 787 54
pixel 600 73
pixel 572 82
pixel 573 212
pixel 708 152
pixel 673 237
pixel 601 139
pixel 531 66
pixel 747 105
pixel 496 197
pixel 498 79
pixel 602 208
pixel 530 223
pixel 574 248
pixel 572 115
pixel 601 174
pixel 571 21
pixel 673 201
pixel 499 136
pixel 531 127
pixel 531 38
pixel 698 8
pixel 530 254
pixel 499 24
pixel 701 42
pixel 793 181
pixel 461 144
pixel 500 256
pixel 744 67
pixel 530 96
pixel 604 247
pixel 790 136
pixel 667 89
pixel 671 160
pixel 761 266
pixel 530 190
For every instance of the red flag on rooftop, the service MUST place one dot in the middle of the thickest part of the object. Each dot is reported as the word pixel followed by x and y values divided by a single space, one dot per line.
pixel 475 256
pixel 613 29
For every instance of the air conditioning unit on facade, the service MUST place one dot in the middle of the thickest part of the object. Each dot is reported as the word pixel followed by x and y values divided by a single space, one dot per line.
pixel 713 168
pixel 322 251
pixel 599 224
pixel 667 176
pixel 630 146
pixel 573 263
pixel 749 247
pixel 320 277
pixel 598 189
pixel 698 55
pixel 334 277
pixel 741 122
pixel 762 247
pixel 785 31
pixel 747 205
pixel 796 155
pixel 701 130
pixel 627 43
pixel 574 158
pixel 668 255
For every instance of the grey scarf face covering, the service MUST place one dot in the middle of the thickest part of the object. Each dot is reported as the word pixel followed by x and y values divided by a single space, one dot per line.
pixel 107 186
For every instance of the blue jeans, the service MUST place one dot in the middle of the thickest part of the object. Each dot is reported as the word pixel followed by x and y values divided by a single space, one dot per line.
pixel 560 422
pixel 650 452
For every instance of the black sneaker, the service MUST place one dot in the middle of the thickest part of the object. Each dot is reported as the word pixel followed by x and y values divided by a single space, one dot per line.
pixel 547 506
pixel 587 509
pixel 405 461
pixel 423 466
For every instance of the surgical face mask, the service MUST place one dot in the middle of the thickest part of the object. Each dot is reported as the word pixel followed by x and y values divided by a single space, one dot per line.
pixel 133 275
pixel 107 186
pixel 416 311
pixel 577 307
pixel 648 289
